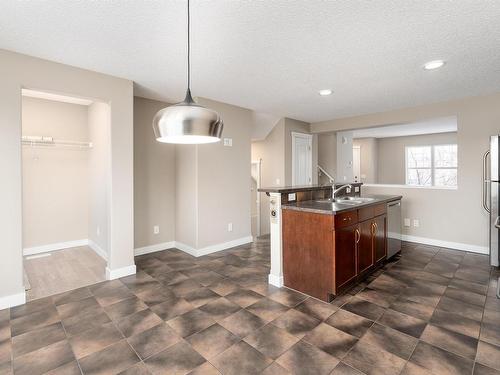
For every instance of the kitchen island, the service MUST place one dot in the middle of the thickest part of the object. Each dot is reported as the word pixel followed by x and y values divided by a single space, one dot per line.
pixel 329 245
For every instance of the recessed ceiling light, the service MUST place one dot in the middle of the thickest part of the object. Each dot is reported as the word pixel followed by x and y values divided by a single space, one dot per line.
pixel 433 64
pixel 325 92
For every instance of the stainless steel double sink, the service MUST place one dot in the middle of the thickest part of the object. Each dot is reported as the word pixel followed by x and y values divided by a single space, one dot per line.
pixel 349 201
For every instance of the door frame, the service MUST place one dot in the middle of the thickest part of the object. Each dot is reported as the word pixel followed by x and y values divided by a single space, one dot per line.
pixel 358 148
pixel 309 138
pixel 258 164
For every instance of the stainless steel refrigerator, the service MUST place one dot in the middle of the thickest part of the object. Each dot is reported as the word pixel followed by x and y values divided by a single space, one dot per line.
pixel 491 192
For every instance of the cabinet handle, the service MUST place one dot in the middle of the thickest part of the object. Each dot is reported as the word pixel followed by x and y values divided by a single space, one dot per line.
pixel 357 235
pixel 373 229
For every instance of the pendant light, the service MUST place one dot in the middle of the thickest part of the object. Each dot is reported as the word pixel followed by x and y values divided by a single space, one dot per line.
pixel 187 122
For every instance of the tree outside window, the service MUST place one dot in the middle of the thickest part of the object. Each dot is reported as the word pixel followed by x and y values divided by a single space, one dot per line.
pixel 432 165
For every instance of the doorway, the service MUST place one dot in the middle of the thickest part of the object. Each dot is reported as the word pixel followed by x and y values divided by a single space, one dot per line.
pixel 356 163
pixel 255 197
pixel 65 145
pixel 301 159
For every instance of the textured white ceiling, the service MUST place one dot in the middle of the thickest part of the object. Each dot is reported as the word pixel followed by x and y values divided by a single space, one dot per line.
pixel 273 56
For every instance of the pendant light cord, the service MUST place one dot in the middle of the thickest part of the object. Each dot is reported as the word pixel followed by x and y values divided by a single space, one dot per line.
pixel 189 49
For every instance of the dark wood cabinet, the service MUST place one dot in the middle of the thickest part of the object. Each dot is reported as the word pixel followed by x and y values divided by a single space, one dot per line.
pixel 346 239
pixel 380 243
pixel 366 245
pixel 325 254
pixel 308 252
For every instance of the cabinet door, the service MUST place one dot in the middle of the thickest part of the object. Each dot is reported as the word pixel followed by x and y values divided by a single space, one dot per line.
pixel 380 243
pixel 366 244
pixel 345 254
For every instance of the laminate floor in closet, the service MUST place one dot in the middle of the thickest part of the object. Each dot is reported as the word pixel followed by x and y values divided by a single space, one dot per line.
pixel 63 270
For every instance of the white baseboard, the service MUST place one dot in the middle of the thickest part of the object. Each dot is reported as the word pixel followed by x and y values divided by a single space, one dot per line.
pixel 99 251
pixel 447 244
pixel 154 248
pixel 186 248
pixel 12 300
pixel 191 250
pixel 276 280
pixel 54 246
pixel 120 272
pixel 223 246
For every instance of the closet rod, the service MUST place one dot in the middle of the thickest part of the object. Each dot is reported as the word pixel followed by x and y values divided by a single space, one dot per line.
pixel 40 141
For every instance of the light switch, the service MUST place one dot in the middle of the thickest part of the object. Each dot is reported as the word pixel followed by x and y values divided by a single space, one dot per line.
pixel 291 197
pixel 228 142
pixel 416 223
pixel 407 222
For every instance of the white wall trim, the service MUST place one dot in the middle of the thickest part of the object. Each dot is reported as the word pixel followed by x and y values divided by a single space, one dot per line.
pixel 154 248
pixel 191 250
pixel 223 246
pixel 99 251
pixel 447 244
pixel 276 281
pixel 54 246
pixel 120 272
pixel 12 300
pixel 399 186
pixel 186 248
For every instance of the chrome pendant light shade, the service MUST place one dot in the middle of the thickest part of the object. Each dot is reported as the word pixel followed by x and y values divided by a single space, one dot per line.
pixel 187 122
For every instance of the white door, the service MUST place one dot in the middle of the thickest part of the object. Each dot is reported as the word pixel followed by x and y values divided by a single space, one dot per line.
pixel 356 163
pixel 301 159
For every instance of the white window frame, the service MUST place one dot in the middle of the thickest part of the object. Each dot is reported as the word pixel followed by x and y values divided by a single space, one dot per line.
pixel 432 167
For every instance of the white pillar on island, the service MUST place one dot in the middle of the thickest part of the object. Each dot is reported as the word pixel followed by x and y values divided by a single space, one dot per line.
pixel 276 273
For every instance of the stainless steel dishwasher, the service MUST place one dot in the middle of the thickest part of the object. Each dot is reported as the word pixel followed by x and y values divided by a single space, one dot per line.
pixel 393 228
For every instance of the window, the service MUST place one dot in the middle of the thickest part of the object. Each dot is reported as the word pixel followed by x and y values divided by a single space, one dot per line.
pixel 431 165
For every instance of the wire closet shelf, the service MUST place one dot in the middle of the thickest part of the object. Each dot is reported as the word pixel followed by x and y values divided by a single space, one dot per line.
pixel 50 142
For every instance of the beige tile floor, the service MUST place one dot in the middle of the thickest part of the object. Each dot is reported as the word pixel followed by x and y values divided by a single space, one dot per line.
pixel 63 270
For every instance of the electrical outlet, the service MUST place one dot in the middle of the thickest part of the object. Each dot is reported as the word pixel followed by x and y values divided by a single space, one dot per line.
pixel 156 229
pixel 416 223
pixel 407 222
pixel 278 181
pixel 98 231
pixel 291 197
pixel 230 227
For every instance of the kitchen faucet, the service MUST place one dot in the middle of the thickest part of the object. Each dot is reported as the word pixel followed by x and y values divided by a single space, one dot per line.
pixel 339 189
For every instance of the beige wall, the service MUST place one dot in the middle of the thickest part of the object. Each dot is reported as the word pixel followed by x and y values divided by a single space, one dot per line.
pixel 224 179
pixel 154 179
pixel 55 194
pixel 186 195
pixel 272 153
pixel 275 151
pixel 213 183
pixel 327 155
pixel 23 71
pixel 446 215
pixel 391 154
pixel 369 153
pixel 99 182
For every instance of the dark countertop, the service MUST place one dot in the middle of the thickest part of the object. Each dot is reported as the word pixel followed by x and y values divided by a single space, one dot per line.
pixel 329 208
pixel 292 189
